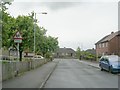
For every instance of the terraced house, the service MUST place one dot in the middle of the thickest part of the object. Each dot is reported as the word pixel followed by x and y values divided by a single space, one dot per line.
pixel 109 44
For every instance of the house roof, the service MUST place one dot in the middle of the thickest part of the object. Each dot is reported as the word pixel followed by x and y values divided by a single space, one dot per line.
pixel 65 50
pixel 108 37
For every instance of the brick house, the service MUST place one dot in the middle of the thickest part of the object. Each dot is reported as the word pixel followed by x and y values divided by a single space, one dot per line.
pixel 65 53
pixel 109 44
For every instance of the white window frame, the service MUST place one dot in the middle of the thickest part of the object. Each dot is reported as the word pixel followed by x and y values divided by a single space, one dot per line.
pixel 106 44
pixel 103 44
pixel 100 45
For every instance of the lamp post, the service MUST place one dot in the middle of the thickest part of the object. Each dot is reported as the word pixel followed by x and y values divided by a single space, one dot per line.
pixel 35 27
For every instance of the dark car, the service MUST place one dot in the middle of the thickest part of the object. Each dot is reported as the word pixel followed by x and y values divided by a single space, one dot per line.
pixel 110 63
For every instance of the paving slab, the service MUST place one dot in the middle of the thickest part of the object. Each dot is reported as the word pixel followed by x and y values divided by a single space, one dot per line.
pixel 31 79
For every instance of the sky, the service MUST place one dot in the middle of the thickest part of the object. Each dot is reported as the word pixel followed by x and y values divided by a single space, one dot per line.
pixel 75 23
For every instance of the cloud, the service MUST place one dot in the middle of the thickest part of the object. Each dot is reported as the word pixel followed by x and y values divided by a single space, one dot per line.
pixel 72 22
pixel 7 0
pixel 50 5
pixel 60 5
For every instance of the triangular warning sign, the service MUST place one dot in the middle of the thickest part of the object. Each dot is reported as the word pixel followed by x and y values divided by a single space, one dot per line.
pixel 17 35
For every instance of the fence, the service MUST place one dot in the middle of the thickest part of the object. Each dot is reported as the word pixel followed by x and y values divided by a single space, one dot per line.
pixel 11 69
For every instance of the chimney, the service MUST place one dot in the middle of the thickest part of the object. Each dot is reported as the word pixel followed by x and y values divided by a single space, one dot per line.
pixel 112 32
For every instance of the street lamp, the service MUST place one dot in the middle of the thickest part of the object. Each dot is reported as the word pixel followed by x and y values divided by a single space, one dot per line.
pixel 34 26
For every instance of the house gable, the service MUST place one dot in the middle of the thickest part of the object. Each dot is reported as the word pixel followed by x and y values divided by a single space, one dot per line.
pixel 109 44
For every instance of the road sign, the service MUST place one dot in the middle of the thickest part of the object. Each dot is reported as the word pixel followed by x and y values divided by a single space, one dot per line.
pixel 17 37
pixel 17 40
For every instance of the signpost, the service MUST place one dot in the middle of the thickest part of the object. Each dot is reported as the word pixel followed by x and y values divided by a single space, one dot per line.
pixel 18 40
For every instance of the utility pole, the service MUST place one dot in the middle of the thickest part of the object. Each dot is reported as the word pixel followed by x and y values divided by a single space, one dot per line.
pixel 35 20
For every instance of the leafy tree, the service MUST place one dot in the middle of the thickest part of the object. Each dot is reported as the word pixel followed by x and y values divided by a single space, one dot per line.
pixel 7 24
pixel 8 29
pixel 45 45
pixel 25 25
pixel 40 34
pixel 88 56
pixel 78 53
pixel 3 4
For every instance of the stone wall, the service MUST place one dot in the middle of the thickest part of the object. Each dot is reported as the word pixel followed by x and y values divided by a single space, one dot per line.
pixel 11 69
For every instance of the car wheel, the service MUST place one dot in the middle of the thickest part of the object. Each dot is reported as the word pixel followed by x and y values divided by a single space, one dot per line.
pixel 110 69
pixel 101 69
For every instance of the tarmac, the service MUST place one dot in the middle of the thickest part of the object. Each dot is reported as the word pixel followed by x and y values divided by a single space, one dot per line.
pixel 43 73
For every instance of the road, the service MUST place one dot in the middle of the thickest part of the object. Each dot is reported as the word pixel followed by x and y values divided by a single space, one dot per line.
pixel 71 73
pixel 67 73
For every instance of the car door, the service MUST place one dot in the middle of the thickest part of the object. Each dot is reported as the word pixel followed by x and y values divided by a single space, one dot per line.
pixel 101 64
pixel 106 64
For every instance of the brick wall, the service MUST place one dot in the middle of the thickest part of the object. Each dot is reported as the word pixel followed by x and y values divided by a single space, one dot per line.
pixel 102 50
pixel 113 47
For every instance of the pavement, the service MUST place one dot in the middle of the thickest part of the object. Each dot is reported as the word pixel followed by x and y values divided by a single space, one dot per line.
pixel 32 79
pixel 94 64
pixel 90 63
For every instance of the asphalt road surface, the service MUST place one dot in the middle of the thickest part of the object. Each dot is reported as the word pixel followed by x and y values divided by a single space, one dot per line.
pixel 71 73
pixel 68 73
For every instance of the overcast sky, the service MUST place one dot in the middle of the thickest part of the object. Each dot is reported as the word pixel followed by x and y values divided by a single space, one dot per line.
pixel 79 23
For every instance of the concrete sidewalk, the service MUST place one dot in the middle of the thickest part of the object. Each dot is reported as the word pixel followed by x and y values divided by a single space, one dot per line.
pixel 91 63
pixel 32 79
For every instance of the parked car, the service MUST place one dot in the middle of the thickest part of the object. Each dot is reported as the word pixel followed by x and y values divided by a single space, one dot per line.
pixel 38 57
pixel 110 63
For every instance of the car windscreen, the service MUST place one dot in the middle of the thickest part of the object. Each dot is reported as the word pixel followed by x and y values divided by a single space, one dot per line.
pixel 114 59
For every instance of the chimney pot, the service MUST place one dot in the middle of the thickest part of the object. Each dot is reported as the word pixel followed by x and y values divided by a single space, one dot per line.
pixel 112 32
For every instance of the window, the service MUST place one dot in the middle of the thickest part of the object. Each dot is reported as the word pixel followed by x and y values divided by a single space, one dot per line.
pixel 102 59
pixel 106 44
pixel 66 54
pixel 103 53
pixel 106 60
pixel 106 53
pixel 103 45
pixel 99 45
pixel 63 54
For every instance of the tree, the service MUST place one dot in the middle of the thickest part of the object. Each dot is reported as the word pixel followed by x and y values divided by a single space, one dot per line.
pixel 48 45
pixel 10 25
pixel 87 55
pixel 3 4
pixel 7 24
pixel 78 53
pixel 25 25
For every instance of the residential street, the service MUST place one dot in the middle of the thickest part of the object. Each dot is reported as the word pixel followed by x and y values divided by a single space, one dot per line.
pixel 60 44
pixel 69 73
pixel 75 74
